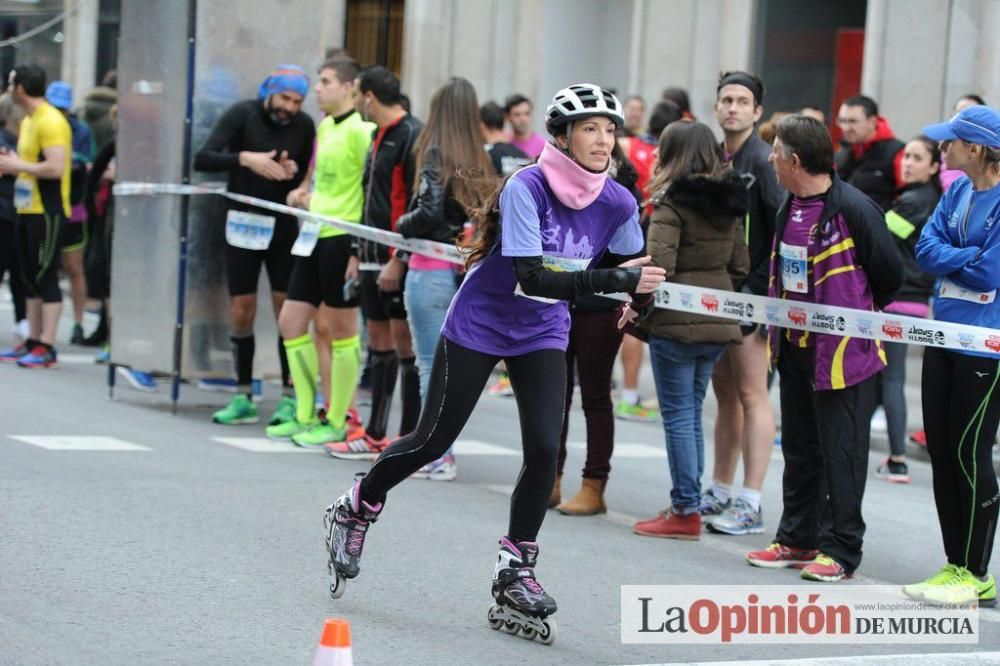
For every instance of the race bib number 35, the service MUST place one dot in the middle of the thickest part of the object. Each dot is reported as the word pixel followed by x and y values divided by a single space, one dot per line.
pixel 794 268
pixel 249 230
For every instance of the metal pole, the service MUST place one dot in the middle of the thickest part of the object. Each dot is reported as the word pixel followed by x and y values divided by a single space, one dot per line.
pixel 175 388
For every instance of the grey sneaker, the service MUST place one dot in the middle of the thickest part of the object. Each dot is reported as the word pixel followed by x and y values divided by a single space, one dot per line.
pixel 738 518
pixel 711 507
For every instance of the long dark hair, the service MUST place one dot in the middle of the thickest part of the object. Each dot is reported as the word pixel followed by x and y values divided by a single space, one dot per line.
pixel 686 149
pixel 934 149
pixel 453 128
pixel 486 219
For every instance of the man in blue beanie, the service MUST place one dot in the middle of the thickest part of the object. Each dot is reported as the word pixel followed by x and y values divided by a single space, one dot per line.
pixel 265 145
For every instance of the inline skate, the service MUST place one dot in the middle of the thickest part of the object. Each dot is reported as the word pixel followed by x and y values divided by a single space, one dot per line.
pixel 522 607
pixel 347 520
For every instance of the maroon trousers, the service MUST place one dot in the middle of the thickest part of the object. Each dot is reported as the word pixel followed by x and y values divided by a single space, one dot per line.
pixel 594 340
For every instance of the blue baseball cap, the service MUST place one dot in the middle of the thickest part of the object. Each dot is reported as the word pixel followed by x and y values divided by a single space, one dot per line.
pixel 59 94
pixel 975 124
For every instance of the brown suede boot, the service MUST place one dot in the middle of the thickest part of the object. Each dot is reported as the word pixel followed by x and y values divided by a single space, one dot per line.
pixel 556 496
pixel 588 502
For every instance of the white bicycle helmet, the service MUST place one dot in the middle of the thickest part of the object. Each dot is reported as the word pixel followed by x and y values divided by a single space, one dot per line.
pixel 581 101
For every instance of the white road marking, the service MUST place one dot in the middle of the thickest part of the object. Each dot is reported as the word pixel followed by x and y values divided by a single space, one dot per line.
pixel 68 443
pixel 264 445
pixel 628 449
pixel 475 447
pixel 939 658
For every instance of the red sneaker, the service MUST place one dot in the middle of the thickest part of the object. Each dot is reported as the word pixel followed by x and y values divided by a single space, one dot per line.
pixel 670 525
pixel 919 438
pixel 778 556
pixel 825 569
pixel 355 426
pixel 359 446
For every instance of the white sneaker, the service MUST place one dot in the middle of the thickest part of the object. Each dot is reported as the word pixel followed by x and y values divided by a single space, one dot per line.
pixel 879 423
pixel 442 469
pixel 21 330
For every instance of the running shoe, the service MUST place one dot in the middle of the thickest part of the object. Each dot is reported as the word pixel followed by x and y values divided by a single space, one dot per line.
pixel 947 573
pixel 13 354
pixel 360 446
pixel 76 337
pixel 442 469
pixel 962 588
pixel 284 412
pixel 825 569
pixel 320 434
pixel 239 411
pixel 919 438
pixel 502 387
pixel 218 384
pixel 893 471
pixel 629 412
pixel 778 556
pixel 103 356
pixel 711 506
pixel 739 518
pixel 283 432
pixel 40 356
pixel 140 381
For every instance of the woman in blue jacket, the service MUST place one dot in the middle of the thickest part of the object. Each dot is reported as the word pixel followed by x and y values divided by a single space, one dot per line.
pixel 961 399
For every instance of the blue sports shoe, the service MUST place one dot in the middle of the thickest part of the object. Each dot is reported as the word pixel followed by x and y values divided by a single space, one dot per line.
pixel 140 381
pixel 739 518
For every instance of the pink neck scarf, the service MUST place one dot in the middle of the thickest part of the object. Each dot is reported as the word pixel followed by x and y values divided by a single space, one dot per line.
pixel 573 185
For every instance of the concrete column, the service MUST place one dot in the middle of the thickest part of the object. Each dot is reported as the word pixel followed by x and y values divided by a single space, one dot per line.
pixel 79 50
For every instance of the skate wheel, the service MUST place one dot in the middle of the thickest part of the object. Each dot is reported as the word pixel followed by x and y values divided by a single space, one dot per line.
pixel 511 627
pixel 549 637
pixel 338 587
pixel 495 624
pixel 528 633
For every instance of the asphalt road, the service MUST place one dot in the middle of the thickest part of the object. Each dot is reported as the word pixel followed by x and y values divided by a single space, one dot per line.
pixel 165 544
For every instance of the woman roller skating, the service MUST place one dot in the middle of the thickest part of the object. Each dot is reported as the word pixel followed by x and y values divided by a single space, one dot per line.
pixel 538 236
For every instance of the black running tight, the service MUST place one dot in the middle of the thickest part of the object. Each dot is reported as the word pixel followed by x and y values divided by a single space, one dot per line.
pixel 961 401
pixel 458 377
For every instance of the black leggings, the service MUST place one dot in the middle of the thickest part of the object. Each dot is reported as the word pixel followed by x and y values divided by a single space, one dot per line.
pixel 9 267
pixel 961 401
pixel 458 377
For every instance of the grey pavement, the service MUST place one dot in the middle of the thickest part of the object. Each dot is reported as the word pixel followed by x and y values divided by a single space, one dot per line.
pixel 189 550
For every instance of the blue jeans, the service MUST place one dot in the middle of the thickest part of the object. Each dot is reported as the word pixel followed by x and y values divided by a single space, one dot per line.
pixel 682 373
pixel 427 296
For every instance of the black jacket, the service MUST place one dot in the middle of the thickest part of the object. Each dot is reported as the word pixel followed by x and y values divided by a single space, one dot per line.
pixel 873 244
pixel 247 126
pixel 914 205
pixel 390 175
pixel 7 212
pixel 435 214
pixel 874 173
pixel 765 197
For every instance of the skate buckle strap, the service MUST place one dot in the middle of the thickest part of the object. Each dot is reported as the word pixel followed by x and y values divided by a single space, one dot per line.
pixel 528 579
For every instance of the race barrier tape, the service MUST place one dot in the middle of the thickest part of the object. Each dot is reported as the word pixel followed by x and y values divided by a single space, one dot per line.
pixel 738 306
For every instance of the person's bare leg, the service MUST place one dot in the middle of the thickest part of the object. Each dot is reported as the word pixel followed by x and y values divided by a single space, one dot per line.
pixel 50 321
pixel 728 422
pixel 72 263
pixel 34 308
pixel 631 356
pixel 750 369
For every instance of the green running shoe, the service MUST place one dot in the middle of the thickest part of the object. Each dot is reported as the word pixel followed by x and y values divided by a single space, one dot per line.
pixel 963 588
pixel 320 434
pixel 284 412
pixel 942 577
pixel 283 432
pixel 239 411
pixel 627 412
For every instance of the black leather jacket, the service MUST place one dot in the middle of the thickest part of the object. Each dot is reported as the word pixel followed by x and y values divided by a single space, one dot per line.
pixel 434 213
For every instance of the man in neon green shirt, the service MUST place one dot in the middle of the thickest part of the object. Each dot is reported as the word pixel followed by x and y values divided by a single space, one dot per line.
pixel 318 287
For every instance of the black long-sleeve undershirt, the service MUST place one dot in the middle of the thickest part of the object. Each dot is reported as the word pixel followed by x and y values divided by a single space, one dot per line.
pixel 536 280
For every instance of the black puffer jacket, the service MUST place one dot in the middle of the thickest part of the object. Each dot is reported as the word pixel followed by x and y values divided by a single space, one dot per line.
pixel 910 211
pixel 434 214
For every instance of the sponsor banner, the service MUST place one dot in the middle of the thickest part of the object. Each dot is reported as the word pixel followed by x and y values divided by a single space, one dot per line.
pixel 744 308
pixel 802 614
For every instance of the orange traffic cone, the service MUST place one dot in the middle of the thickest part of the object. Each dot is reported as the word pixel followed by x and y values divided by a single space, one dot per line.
pixel 334 644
